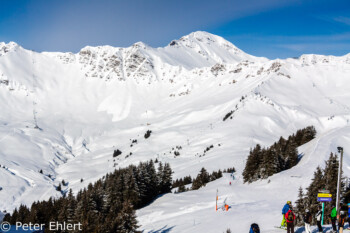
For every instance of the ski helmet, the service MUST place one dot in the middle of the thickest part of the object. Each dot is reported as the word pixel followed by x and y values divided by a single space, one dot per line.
pixel 289 202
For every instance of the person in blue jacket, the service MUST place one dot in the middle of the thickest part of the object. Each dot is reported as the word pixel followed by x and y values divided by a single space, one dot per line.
pixel 254 228
pixel 285 209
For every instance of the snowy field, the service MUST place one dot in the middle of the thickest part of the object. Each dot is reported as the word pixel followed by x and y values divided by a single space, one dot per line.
pixel 89 104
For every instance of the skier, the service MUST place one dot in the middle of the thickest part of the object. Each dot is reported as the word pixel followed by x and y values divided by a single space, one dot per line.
pixel 230 182
pixel 284 211
pixel 348 216
pixel 341 221
pixel 254 228
pixel 318 219
pixel 290 217
pixel 334 218
pixel 307 221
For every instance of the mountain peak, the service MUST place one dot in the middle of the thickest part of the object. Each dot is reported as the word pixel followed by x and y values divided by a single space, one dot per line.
pixel 202 37
pixel 5 48
pixel 140 44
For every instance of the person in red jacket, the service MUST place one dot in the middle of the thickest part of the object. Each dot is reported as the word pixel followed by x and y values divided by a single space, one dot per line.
pixel 290 217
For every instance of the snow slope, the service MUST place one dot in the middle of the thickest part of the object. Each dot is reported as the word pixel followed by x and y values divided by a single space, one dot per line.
pixel 88 104
pixel 259 202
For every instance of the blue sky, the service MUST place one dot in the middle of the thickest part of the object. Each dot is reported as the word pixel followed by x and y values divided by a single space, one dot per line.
pixel 270 28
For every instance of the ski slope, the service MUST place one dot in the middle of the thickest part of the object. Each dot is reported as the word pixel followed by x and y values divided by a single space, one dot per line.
pixel 66 113
pixel 260 202
pixel 194 211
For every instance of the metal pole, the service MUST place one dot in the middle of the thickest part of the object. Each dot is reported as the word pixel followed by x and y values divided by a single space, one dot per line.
pixel 322 212
pixel 216 206
pixel 340 149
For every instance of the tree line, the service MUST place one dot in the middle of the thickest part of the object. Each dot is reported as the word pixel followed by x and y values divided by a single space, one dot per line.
pixel 282 155
pixel 107 206
pixel 201 179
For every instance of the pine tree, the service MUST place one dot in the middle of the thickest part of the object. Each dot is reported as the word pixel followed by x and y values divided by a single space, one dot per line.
pixel 59 188
pixel 312 191
pixel 23 213
pixel 300 206
pixel 143 179
pixel 63 213
pixel 270 164
pixel 131 191
pixel 166 179
pixel 291 155
pixel 181 189
pixel 71 206
pixel 153 188
pixel 81 210
pixel 251 169
pixel 201 179
pixel 126 219
pixel 160 174
pixel 309 133
pixel 331 174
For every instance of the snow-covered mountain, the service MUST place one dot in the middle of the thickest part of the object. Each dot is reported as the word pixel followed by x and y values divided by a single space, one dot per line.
pixel 66 113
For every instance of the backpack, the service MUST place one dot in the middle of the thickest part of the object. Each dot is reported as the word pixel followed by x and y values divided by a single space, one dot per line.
pixel 307 218
pixel 341 221
pixel 255 228
pixel 290 216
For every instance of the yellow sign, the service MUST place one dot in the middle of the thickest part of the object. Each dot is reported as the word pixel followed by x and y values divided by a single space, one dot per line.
pixel 324 195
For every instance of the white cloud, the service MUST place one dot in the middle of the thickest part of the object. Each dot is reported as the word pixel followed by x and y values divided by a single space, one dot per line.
pixel 342 19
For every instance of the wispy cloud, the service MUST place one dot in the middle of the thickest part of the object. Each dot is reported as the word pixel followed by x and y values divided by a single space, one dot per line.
pixel 342 19
pixel 317 43
pixel 298 38
pixel 316 47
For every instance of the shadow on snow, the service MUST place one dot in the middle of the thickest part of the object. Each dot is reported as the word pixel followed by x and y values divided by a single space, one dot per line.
pixel 164 229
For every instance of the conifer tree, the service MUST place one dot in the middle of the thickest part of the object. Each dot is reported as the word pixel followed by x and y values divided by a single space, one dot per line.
pixel 270 164
pixel 160 174
pixel 71 206
pixel 313 189
pixel 201 179
pixel 166 179
pixel 282 155
pixel 126 219
pixel 131 191
pixel 251 169
pixel 300 206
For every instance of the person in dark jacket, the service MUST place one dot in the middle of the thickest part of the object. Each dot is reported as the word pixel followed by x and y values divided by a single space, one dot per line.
pixel 318 219
pixel 290 217
pixel 341 221
pixel 254 228
pixel 307 220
